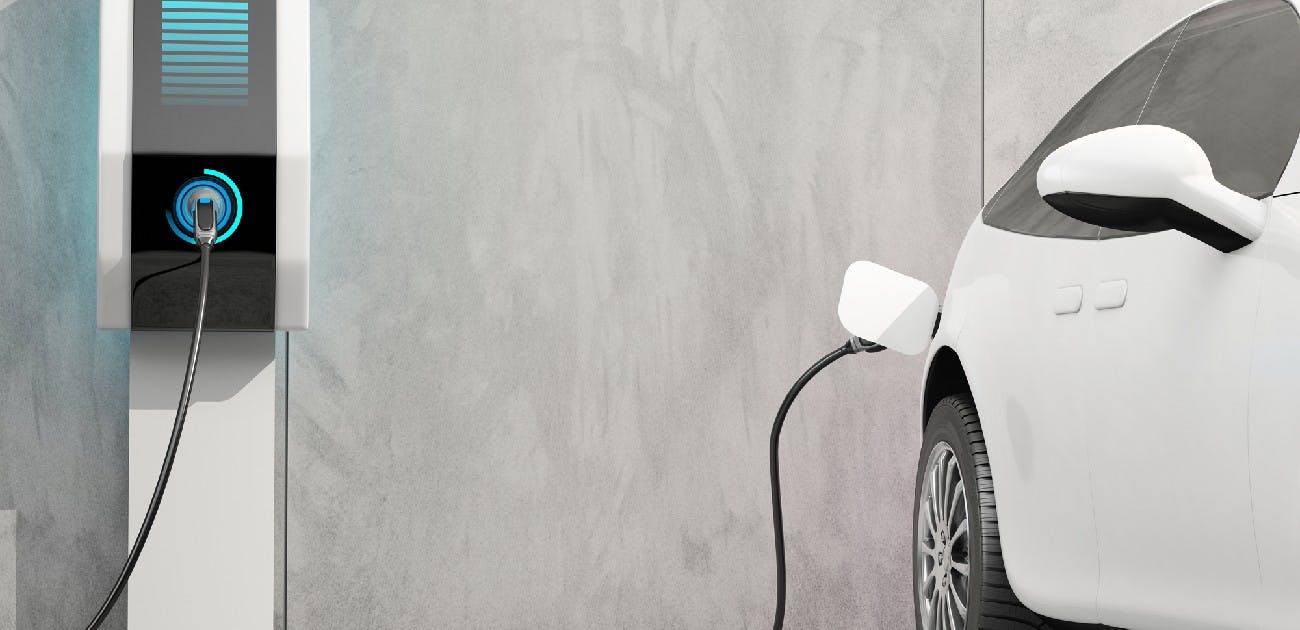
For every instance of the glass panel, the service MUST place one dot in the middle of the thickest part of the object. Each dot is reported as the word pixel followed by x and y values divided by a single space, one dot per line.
pixel 1115 101
pixel 1231 85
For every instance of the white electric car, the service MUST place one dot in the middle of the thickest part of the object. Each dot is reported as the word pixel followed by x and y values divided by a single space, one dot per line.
pixel 1111 409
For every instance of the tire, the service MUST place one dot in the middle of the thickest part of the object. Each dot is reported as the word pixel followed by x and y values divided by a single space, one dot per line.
pixel 953 436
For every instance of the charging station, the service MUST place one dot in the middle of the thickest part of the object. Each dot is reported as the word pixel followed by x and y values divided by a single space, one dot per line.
pixel 204 105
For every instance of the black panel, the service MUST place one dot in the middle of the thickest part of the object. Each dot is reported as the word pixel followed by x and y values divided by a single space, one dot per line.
pixel 204 98
pixel 241 291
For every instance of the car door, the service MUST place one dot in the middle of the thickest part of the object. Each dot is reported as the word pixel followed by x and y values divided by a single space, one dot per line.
pixel 1274 430
pixel 1022 276
pixel 1168 375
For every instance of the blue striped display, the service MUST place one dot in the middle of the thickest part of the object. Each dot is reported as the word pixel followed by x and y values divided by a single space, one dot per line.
pixel 204 15
pixel 205 26
pixel 227 48
pixel 205 80
pixel 205 53
pixel 207 59
pixel 205 37
pixel 224 6
pixel 199 69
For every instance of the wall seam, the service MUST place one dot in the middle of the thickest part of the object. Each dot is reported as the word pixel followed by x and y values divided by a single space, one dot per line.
pixel 284 564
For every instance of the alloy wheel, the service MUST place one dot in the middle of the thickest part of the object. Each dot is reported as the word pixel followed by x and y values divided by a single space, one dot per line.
pixel 943 543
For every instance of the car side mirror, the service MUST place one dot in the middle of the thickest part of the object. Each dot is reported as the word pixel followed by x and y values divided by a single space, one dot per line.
pixel 1147 178
pixel 881 305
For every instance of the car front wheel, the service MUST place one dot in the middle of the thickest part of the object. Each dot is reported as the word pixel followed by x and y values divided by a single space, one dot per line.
pixel 959 582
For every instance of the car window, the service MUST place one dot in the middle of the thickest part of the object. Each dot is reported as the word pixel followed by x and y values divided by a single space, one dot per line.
pixel 1227 77
pixel 1231 84
pixel 1115 101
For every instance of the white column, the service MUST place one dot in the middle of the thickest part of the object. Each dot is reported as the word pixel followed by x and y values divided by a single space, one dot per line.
pixel 210 560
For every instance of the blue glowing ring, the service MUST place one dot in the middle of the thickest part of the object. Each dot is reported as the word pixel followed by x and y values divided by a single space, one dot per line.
pixel 183 218
pixel 239 201
pixel 183 225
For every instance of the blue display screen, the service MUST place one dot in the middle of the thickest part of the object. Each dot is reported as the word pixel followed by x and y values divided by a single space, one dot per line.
pixel 205 53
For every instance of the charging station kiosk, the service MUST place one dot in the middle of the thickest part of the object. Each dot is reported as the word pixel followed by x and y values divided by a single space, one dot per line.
pixel 206 98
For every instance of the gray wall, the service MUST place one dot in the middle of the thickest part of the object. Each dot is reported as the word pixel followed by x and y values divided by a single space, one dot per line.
pixel 63 394
pixel 567 258
pixel 8 571
pixel 568 255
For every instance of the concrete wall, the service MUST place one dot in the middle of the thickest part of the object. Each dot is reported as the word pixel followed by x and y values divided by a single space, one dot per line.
pixel 63 394
pixel 568 255
pixel 567 258
pixel 8 570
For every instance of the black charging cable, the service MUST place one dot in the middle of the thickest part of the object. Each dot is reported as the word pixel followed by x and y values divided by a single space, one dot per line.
pixel 853 346
pixel 205 233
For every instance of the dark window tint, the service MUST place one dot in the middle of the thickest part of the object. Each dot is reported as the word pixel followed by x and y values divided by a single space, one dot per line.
pixel 1233 85
pixel 1114 102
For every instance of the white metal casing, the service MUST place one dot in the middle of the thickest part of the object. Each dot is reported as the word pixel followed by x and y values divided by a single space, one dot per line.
pixel 211 561
pixel 293 164
pixel 115 68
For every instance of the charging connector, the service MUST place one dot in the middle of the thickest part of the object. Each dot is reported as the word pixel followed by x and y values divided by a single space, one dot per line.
pixel 205 221
pixel 855 345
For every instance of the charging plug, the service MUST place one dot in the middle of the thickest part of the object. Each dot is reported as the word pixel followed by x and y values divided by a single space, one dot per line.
pixel 205 220
pixel 858 344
